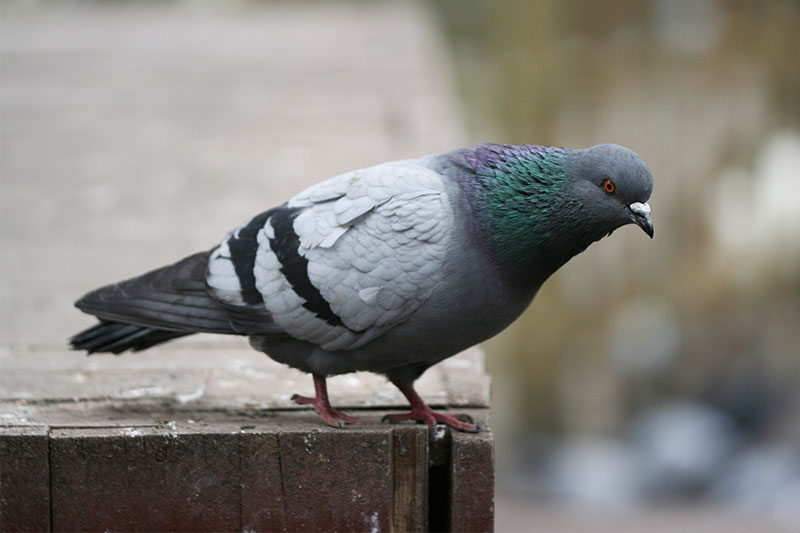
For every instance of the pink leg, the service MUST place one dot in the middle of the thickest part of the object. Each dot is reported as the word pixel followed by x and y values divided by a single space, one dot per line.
pixel 421 412
pixel 333 417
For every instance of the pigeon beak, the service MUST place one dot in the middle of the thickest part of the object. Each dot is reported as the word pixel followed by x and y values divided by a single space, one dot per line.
pixel 640 213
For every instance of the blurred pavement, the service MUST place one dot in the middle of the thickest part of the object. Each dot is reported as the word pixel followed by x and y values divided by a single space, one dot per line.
pixel 136 134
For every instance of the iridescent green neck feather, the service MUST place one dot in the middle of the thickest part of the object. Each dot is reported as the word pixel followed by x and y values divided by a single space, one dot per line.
pixel 522 197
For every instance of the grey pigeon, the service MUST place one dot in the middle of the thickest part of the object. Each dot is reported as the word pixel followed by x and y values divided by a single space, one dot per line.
pixel 389 269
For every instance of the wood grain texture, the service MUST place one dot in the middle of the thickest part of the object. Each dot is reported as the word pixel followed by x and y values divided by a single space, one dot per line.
pixel 283 472
pixel 144 480
pixel 24 479
pixel 410 477
pixel 263 502
pixel 472 488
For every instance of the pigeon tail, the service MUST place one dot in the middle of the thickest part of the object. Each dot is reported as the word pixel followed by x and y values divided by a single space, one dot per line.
pixel 173 298
pixel 116 337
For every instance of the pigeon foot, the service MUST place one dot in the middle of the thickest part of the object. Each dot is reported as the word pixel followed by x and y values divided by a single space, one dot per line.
pixel 422 412
pixel 332 417
pixel 430 417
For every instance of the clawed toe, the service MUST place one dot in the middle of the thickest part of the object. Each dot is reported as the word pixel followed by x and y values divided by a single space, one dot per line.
pixel 347 419
pixel 394 419
pixel 421 412
pixel 303 400
pixel 464 417
pixel 430 417
pixel 332 417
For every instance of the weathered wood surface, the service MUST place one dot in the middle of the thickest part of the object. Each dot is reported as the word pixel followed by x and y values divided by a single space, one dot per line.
pixel 24 479
pixel 57 386
pixel 184 438
pixel 179 441
pixel 472 491
pixel 282 473
pixel 410 473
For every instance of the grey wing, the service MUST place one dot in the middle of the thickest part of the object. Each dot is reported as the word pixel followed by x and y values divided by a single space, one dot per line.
pixel 345 260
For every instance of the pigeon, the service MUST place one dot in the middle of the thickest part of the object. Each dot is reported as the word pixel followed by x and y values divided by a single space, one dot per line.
pixel 388 269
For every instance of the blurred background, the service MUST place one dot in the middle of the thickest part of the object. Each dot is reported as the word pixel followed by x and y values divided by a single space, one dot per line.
pixel 652 385
pixel 663 371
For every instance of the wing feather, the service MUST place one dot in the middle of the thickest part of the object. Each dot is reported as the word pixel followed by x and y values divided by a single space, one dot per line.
pixel 347 259
pixel 384 264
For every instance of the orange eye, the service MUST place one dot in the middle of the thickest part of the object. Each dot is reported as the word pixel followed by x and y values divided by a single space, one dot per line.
pixel 609 186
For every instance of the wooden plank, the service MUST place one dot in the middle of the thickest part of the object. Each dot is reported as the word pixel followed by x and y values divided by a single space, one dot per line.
pixel 337 480
pixel 472 479
pixel 282 472
pixel 410 478
pixel 144 479
pixel 24 479
pixel 263 503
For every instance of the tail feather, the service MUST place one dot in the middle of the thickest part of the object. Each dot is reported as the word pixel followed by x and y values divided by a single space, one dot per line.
pixel 167 303
pixel 162 305
pixel 172 298
pixel 116 337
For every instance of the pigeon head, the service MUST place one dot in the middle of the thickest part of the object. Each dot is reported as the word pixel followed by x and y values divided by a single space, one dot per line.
pixel 539 206
pixel 613 185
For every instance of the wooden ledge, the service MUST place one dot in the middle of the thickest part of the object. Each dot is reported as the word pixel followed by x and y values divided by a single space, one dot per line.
pixel 205 438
